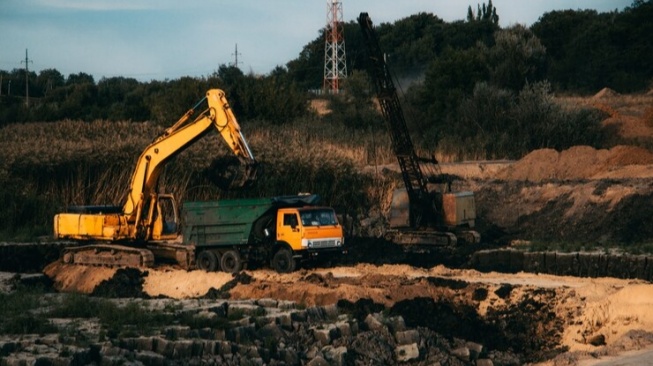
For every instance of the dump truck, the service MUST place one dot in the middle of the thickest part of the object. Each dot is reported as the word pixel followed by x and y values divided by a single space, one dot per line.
pixel 280 231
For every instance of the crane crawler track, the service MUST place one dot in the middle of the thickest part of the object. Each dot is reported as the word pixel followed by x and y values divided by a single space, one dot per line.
pixel 108 255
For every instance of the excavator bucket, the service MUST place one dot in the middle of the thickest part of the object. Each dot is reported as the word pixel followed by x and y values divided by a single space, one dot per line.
pixel 231 172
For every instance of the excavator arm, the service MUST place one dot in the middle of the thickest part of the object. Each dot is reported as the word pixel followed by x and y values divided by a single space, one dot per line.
pixel 180 136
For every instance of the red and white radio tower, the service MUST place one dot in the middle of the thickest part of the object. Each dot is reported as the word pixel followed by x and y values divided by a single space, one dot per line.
pixel 335 66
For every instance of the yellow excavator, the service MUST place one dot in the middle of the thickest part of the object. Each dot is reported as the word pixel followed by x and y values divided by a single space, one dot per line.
pixel 146 224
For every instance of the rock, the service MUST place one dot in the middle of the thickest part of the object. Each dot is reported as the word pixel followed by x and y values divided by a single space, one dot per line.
pixel 161 346
pixel 331 311
pixel 286 305
pixel 219 334
pixel 484 362
pixel 322 336
pixel 245 321
pixel 313 352
pixel 240 334
pixel 407 337
pixel 407 352
pixel 267 303
pixel 298 316
pixel 397 324
pixel 284 320
pixel 316 313
pixel 475 349
pixel 144 343
pixel 289 356
pixel 224 347
pixel 182 349
pixel 317 361
pixel 209 348
pixel 373 323
pixel 344 329
pixel 597 340
pixel 221 310
pixel 461 353
pixel 335 356
pixel 150 358
pixel 248 352
pixel 270 331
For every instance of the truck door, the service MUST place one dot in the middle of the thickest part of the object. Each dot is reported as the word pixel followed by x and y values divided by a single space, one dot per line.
pixel 289 229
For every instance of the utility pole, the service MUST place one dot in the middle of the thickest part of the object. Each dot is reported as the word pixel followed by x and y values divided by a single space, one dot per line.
pixel 27 61
pixel 235 54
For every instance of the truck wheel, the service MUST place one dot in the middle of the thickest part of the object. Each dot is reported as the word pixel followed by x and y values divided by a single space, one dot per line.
pixel 207 260
pixel 283 262
pixel 231 261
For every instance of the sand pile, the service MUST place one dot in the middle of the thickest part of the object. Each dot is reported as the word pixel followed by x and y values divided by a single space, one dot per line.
pixel 605 93
pixel 610 312
pixel 581 162
pixel 82 279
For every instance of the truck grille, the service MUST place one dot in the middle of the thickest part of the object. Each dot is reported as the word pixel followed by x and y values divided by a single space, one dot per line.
pixel 323 243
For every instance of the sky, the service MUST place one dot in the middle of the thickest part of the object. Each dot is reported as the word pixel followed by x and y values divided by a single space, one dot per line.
pixel 168 39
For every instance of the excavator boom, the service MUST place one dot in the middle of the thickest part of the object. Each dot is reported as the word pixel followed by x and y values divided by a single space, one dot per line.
pixel 181 135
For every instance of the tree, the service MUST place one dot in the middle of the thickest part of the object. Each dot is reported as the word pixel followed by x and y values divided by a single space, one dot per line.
pixel 516 58
pixel 48 80
pixel 80 78
pixel 483 14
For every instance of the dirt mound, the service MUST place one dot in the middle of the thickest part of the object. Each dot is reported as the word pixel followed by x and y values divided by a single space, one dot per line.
pixel 605 93
pixel 163 281
pixel 581 162
pixel 82 279
pixel 126 282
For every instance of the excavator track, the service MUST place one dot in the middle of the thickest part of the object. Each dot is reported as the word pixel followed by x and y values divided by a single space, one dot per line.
pixel 108 255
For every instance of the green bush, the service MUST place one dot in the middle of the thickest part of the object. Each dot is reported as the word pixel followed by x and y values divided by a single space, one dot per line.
pixel 500 124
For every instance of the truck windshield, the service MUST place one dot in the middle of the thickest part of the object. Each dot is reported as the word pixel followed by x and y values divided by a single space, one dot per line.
pixel 318 217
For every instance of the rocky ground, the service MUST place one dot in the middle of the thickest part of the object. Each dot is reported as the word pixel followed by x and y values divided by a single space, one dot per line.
pixel 362 314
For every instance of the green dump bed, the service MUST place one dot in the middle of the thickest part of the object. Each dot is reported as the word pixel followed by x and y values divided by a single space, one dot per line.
pixel 230 222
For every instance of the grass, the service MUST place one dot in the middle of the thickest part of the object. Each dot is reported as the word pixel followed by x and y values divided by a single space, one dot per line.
pixel 24 312
pixel 45 167
pixel 19 315
pixel 133 318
